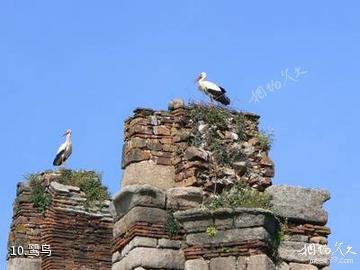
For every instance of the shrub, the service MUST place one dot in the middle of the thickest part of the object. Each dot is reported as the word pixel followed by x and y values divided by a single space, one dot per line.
pixel 239 195
pixel 40 198
pixel 171 225
pixel 266 139
pixel 88 181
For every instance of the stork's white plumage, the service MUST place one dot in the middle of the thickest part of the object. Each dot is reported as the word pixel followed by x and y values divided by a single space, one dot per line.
pixel 64 150
pixel 214 91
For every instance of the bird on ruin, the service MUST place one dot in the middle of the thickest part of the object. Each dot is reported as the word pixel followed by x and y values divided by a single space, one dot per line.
pixel 64 150
pixel 212 90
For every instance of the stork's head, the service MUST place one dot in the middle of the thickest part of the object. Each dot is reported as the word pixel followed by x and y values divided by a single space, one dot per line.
pixel 201 76
pixel 68 132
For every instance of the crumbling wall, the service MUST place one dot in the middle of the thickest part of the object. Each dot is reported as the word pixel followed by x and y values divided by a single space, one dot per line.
pixel 175 161
pixel 186 146
pixel 77 234
pixel 226 238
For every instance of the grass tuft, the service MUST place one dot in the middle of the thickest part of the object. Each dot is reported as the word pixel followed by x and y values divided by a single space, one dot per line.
pixel 40 198
pixel 239 195
pixel 266 139
pixel 88 181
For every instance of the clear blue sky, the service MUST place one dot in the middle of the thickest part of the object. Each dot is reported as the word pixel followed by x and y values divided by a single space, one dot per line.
pixel 86 64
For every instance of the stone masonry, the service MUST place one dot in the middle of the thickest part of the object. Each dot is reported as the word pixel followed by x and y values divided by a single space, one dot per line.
pixel 164 149
pixel 160 218
pixel 234 239
pixel 174 162
pixel 79 237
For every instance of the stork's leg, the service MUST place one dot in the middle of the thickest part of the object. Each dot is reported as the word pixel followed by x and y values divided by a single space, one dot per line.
pixel 62 162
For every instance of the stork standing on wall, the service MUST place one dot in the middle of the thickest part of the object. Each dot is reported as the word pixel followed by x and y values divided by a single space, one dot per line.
pixel 214 91
pixel 64 151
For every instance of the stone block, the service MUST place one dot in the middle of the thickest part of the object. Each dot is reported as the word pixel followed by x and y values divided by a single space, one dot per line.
pixel 241 263
pixel 298 266
pixel 299 204
pixel 152 258
pixel 197 264
pixel 296 238
pixel 227 236
pixel 318 240
pixel 145 214
pixel 195 220
pixel 194 153
pixel 299 252
pixel 137 195
pixel 282 266
pixel 116 257
pixel 139 241
pixel 260 262
pixel 63 188
pixel 223 263
pixel 252 217
pixel 23 264
pixel 169 243
pixel 148 172
pixel 176 103
pixel 224 218
pixel 182 198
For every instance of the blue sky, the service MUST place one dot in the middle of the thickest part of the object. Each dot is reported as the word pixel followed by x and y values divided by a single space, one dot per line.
pixel 86 65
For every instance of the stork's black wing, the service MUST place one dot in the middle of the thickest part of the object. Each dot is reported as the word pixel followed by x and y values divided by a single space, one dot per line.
pixel 222 89
pixel 219 96
pixel 58 159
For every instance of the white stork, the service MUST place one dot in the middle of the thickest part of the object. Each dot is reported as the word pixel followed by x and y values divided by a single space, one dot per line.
pixel 214 91
pixel 64 151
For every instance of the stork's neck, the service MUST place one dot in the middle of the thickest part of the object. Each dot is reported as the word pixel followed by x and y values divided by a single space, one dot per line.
pixel 68 138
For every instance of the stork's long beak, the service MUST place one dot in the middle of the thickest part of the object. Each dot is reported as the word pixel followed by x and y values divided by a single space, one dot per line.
pixel 197 79
pixel 66 133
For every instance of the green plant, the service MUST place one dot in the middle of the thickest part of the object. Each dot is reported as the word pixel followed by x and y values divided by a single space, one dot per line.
pixel 225 154
pixel 265 139
pixel 178 151
pixel 227 249
pixel 278 237
pixel 171 225
pixel 239 195
pixel 212 115
pixel 217 118
pixel 211 231
pixel 39 197
pixel 88 181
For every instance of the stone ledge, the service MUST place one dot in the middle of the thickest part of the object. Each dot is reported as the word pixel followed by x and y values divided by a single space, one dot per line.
pixel 197 220
pixel 299 204
pixel 152 258
pixel 137 195
pixel 139 214
pixel 229 236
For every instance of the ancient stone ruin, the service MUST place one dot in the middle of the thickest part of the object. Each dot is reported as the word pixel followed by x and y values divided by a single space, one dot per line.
pixel 77 230
pixel 196 194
